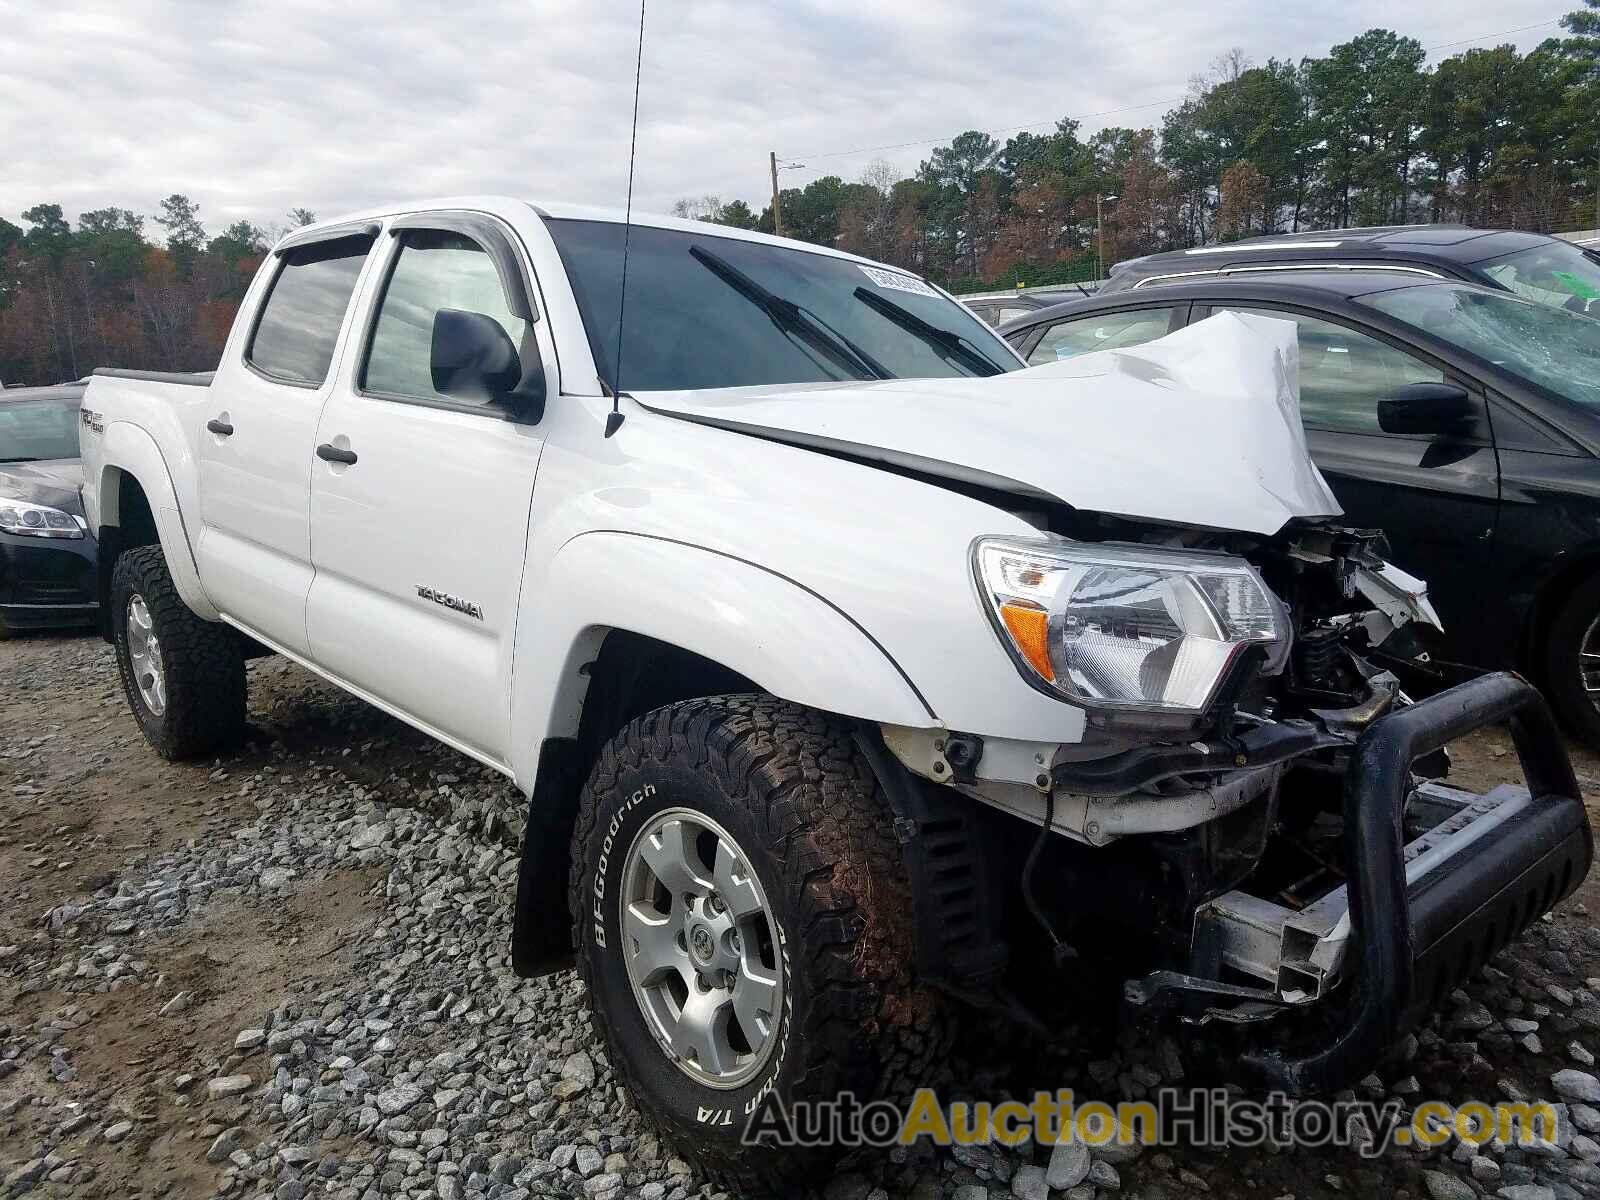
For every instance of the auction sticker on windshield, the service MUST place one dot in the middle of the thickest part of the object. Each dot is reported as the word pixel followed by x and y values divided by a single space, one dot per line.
pixel 897 281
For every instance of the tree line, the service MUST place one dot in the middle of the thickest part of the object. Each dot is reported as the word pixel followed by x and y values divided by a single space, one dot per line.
pixel 110 293
pixel 1364 135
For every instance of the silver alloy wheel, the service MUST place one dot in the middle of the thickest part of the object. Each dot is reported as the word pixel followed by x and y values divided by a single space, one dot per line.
pixel 701 948
pixel 1589 662
pixel 144 654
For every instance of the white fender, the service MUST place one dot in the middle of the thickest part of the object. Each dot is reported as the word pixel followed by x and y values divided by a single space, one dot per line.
pixel 787 639
pixel 127 448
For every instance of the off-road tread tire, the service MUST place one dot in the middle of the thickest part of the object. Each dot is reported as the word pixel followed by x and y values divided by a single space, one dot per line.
pixel 203 661
pixel 843 895
pixel 1558 655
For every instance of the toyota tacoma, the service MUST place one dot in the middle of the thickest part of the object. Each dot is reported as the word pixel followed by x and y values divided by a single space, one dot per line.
pixel 853 673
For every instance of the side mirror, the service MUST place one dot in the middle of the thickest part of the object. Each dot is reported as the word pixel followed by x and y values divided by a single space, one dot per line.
pixel 473 359
pixel 1427 408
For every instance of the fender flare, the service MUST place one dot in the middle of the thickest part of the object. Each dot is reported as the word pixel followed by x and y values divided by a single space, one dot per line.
pixel 127 448
pixel 788 639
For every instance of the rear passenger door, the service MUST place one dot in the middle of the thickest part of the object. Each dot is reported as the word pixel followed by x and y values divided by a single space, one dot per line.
pixel 418 537
pixel 1436 496
pixel 254 545
pixel 1118 329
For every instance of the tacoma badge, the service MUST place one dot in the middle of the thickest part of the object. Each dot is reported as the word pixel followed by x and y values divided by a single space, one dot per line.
pixel 449 601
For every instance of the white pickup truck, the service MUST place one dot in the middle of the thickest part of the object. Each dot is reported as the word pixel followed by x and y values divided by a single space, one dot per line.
pixel 847 665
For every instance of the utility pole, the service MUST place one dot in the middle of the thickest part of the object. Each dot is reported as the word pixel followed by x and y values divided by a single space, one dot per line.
pixel 777 212
pixel 1100 235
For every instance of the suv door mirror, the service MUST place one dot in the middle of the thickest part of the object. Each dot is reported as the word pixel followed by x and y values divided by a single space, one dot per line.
pixel 472 358
pixel 1427 408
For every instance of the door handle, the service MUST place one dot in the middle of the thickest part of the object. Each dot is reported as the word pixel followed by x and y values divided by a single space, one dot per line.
pixel 331 453
pixel 220 428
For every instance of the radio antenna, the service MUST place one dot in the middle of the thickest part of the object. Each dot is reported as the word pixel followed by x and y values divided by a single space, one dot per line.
pixel 614 419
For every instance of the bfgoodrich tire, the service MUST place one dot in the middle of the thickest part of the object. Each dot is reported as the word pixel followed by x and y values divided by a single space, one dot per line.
pixel 1565 671
pixel 184 677
pixel 732 843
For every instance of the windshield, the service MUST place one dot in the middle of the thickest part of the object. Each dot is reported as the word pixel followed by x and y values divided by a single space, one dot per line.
pixel 706 311
pixel 1556 273
pixel 38 429
pixel 1550 347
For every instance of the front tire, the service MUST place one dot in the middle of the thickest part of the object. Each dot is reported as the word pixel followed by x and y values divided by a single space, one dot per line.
pixel 1570 662
pixel 184 676
pixel 743 921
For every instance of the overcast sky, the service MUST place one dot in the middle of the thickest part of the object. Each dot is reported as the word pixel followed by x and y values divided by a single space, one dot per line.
pixel 251 108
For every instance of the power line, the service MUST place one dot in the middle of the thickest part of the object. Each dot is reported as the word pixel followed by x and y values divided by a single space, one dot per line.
pixel 1108 112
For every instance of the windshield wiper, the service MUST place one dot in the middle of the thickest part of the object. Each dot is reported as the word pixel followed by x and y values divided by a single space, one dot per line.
pixel 793 319
pixel 950 345
pixel 11 460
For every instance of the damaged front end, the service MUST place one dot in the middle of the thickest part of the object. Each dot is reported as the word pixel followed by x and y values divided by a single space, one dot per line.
pixel 1258 835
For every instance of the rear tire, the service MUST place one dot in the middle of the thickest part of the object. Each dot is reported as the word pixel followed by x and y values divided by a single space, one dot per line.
pixel 1564 670
pixel 782 793
pixel 184 676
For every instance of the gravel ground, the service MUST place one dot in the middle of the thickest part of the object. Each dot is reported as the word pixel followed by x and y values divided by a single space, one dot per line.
pixel 285 974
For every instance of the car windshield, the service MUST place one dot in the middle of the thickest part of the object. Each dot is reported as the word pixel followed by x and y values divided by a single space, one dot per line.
pixel 706 311
pixel 1551 347
pixel 34 430
pixel 1556 273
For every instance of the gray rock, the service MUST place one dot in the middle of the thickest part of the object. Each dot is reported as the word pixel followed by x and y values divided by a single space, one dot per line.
pixel 1484 1169
pixel 1572 1084
pixel 395 1100
pixel 1447 1187
pixel 274 878
pixel 1069 1165
pixel 228 1085
pixel 225 1144
pixel 370 836
pixel 579 1068
pixel 1526 1191
pixel 115 1133
pixel 249 1039
pixel 178 1004
pixel 1472 1019
pixel 1029 1184
pixel 1103 1174
pixel 589 1161
pixel 1116 1153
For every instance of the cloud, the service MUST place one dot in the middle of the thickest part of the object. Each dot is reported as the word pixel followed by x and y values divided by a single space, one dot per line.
pixel 251 108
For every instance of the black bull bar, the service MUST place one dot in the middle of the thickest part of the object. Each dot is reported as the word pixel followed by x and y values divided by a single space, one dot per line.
pixel 1415 942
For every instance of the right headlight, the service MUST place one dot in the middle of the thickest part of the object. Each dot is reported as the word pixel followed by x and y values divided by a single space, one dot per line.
pixel 1128 627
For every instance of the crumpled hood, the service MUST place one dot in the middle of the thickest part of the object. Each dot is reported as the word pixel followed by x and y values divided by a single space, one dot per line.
pixel 55 482
pixel 1199 428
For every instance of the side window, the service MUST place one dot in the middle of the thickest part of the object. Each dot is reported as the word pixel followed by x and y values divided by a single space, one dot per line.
pixel 1343 374
pixel 1101 331
pixel 301 316
pixel 435 270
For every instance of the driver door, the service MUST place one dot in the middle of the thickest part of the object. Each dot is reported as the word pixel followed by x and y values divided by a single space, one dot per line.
pixel 1436 496
pixel 420 501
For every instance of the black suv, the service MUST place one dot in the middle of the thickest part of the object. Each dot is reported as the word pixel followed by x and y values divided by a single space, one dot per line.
pixel 1531 265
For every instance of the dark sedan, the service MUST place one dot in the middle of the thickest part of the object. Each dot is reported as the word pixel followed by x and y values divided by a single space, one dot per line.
pixel 1531 265
pixel 1465 422
pixel 997 310
pixel 47 555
